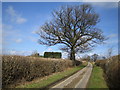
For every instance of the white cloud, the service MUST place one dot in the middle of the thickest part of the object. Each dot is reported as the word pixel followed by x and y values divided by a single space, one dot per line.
pixel 9 31
pixel 18 40
pixel 11 35
pixel 91 53
pixel 15 17
pixel 11 11
pixel 15 52
pixel 20 20
pixel 113 35
pixel 64 55
pixel 35 29
pixel 49 50
pixel 112 39
pixel 12 52
pixel 115 41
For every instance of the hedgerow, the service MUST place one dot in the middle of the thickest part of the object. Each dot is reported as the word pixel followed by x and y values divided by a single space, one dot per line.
pixel 111 68
pixel 16 69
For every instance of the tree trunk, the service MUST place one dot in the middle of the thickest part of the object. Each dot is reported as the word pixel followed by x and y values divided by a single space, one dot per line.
pixel 72 56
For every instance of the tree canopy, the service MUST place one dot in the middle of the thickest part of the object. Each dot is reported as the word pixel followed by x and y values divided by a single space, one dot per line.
pixel 74 27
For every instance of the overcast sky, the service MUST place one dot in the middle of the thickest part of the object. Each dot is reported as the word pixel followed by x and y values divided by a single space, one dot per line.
pixel 21 20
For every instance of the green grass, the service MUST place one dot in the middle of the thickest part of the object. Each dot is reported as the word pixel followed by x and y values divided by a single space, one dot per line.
pixel 52 78
pixel 97 79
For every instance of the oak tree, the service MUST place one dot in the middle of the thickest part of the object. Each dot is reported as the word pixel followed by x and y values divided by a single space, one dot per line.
pixel 74 27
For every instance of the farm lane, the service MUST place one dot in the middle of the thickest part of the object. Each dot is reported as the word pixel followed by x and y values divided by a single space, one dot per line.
pixel 78 80
pixel 83 82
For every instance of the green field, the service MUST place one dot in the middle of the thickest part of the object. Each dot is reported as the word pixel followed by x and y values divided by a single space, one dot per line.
pixel 52 78
pixel 97 79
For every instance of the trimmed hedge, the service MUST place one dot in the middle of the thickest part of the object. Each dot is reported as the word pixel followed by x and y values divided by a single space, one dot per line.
pixel 16 69
pixel 52 55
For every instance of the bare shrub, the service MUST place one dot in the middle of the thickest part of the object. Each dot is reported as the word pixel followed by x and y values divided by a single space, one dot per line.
pixel 111 67
pixel 18 68
pixel 112 72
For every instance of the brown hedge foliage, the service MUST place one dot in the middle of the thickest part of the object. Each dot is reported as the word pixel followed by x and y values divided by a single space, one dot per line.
pixel 111 69
pixel 15 69
pixel 101 63
pixel 112 72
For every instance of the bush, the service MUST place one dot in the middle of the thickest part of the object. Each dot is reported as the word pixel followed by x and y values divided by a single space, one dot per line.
pixel 52 55
pixel 111 69
pixel 112 72
pixel 16 69
pixel 101 63
pixel 77 63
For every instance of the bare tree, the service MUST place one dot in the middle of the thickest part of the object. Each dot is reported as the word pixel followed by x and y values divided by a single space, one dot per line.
pixel 35 53
pixel 95 57
pixel 110 51
pixel 86 57
pixel 74 27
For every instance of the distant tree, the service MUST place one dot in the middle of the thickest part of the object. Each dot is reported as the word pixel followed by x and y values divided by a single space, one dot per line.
pixel 86 58
pixel 94 57
pixel 74 27
pixel 35 53
pixel 110 51
pixel 103 57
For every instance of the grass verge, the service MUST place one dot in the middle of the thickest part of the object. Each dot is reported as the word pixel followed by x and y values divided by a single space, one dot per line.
pixel 97 79
pixel 52 78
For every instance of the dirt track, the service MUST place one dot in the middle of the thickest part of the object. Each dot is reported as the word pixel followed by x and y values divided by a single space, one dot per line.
pixel 78 80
